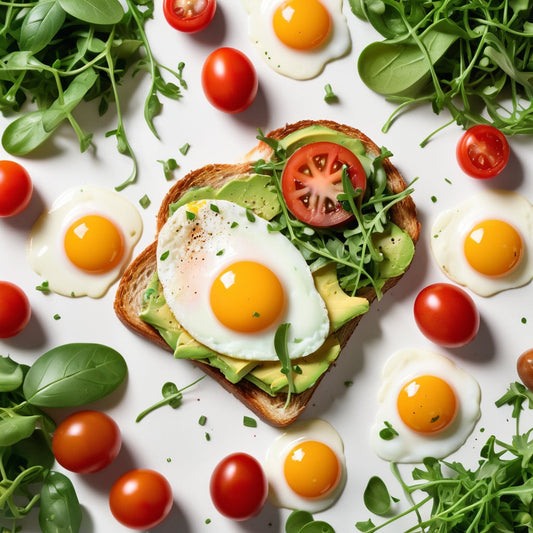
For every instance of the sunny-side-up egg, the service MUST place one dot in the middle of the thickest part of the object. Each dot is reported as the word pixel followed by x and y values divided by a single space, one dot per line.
pixel 84 242
pixel 298 37
pixel 427 407
pixel 486 242
pixel 231 282
pixel 306 467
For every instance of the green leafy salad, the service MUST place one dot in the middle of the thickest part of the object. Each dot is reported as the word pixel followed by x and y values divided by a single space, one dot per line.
pixel 350 263
pixel 54 54
pixel 473 58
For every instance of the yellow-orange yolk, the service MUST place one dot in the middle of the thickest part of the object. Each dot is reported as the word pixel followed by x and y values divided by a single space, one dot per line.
pixel 493 248
pixel 302 24
pixel 94 244
pixel 312 469
pixel 427 404
pixel 247 297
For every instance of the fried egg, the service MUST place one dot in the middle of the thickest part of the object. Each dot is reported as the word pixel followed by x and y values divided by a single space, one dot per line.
pixel 298 37
pixel 485 243
pixel 83 243
pixel 231 282
pixel 306 467
pixel 427 407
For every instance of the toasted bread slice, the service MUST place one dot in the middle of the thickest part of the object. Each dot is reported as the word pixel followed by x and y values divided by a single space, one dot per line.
pixel 128 299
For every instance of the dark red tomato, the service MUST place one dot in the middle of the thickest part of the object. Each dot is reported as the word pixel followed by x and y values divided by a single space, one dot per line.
pixel 15 310
pixel 524 367
pixel 229 80
pixel 239 487
pixel 86 442
pixel 483 151
pixel 16 188
pixel 189 16
pixel 311 182
pixel 446 315
pixel 141 499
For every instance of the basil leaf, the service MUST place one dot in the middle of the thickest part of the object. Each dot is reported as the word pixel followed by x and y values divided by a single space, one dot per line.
pixel 297 520
pixel 74 374
pixel 94 11
pixel 41 25
pixel 11 375
pixel 60 510
pixel 15 428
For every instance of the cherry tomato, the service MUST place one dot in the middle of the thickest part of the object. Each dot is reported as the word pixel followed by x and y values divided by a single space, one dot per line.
pixel 239 487
pixel 311 182
pixel 15 310
pixel 229 80
pixel 86 442
pixel 446 315
pixel 141 499
pixel 189 16
pixel 16 188
pixel 524 367
pixel 483 151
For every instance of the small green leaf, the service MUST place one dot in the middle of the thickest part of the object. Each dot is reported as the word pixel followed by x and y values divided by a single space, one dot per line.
pixel 94 11
pixel 11 375
pixel 376 496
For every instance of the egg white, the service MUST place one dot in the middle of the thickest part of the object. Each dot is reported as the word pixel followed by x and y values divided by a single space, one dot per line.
pixel 296 64
pixel 452 226
pixel 46 253
pixel 280 494
pixel 191 254
pixel 410 446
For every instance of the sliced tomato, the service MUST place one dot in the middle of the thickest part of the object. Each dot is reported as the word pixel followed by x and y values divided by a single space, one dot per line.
pixel 189 16
pixel 312 181
pixel 483 151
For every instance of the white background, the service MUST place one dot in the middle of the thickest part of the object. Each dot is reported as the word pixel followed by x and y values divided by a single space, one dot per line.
pixel 173 442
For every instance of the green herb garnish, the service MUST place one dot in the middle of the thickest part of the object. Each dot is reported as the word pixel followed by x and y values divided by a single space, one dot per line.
pixel 164 255
pixel 190 215
pixel 249 422
pixel 168 167
pixel 330 97
pixel 282 351
pixel 220 252
pixel 57 54
pixel 57 317
pixel 202 420
pixel 473 59
pixel 43 287
pixel 171 396
pixel 185 148
pixel 234 225
pixel 388 432
pixel 250 215
pixel 214 208
pixel 145 201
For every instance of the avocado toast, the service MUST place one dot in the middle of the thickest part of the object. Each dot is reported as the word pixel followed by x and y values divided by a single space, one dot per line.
pixel 263 386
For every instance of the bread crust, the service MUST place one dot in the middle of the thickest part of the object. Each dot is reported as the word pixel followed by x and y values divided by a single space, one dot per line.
pixel 128 299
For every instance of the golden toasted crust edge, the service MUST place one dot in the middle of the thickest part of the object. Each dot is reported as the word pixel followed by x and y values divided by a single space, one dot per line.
pixel 129 295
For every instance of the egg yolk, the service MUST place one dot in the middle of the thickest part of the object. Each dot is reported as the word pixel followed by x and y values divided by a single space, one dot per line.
pixel 247 297
pixel 312 469
pixel 302 24
pixel 493 248
pixel 94 244
pixel 427 404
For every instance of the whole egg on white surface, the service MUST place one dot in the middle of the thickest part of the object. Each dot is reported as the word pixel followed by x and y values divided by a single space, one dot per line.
pixel 83 243
pixel 230 282
pixel 427 407
pixel 485 243
pixel 306 467
pixel 298 37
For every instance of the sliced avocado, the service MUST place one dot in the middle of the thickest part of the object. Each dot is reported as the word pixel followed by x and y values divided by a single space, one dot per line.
pixel 318 133
pixel 256 192
pixel 268 375
pixel 397 248
pixel 190 348
pixel 233 369
pixel 341 307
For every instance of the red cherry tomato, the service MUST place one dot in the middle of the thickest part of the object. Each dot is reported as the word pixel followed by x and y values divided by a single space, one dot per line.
pixel 446 315
pixel 16 188
pixel 141 499
pixel 239 487
pixel 483 151
pixel 189 16
pixel 524 367
pixel 86 442
pixel 15 310
pixel 311 182
pixel 229 80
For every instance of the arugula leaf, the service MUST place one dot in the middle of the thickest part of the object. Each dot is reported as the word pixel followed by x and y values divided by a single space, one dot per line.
pixel 282 351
